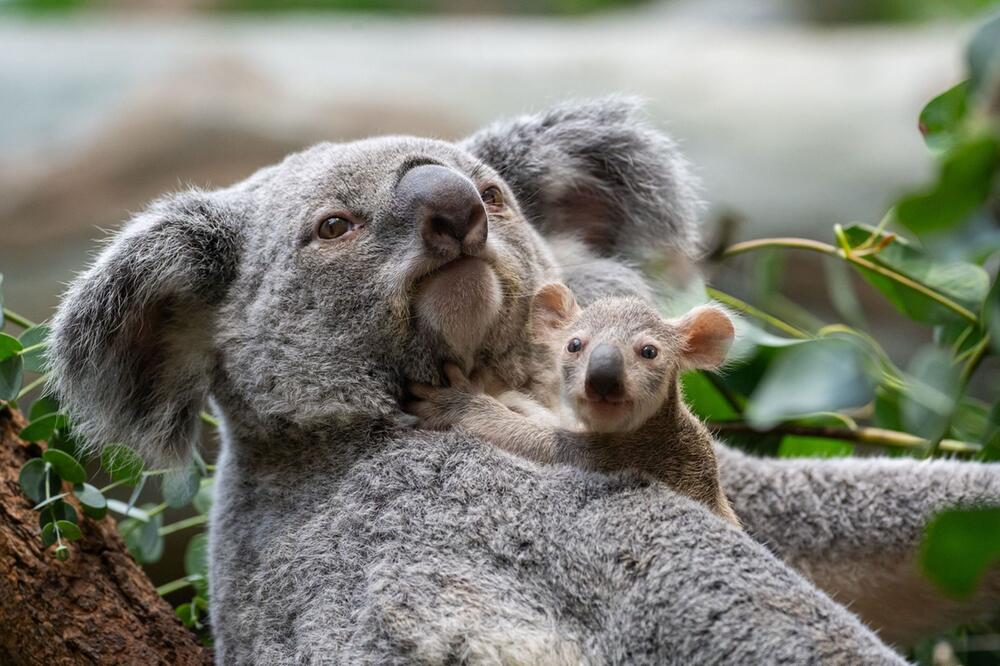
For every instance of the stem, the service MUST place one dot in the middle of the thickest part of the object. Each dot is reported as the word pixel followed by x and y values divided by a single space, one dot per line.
pixel 193 521
pixel 825 248
pixel 209 419
pixel 48 500
pixel 974 360
pixel 173 586
pixel 12 316
pixel 864 434
pixel 35 347
pixel 28 388
pixel 111 486
pixel 746 308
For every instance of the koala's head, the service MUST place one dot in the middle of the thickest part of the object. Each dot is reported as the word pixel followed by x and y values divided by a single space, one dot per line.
pixel 312 291
pixel 618 359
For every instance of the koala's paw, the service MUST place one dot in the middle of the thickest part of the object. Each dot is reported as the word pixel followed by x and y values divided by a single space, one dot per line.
pixel 441 407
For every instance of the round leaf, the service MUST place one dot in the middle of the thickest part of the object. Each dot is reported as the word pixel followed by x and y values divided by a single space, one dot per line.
pixel 180 487
pixel 203 500
pixel 48 535
pixel 196 556
pixel 66 465
pixel 32 479
pixel 93 502
pixel 122 463
pixel 42 429
pixel 143 539
pixel 959 545
pixel 11 376
pixel 940 120
pixel 36 360
pixel 68 530
pixel 58 510
pixel 9 346
pixel 46 404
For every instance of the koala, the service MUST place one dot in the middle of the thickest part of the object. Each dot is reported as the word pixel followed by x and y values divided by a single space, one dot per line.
pixel 297 303
pixel 619 363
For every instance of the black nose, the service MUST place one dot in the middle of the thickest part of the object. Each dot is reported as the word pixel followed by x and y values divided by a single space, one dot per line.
pixel 445 206
pixel 605 373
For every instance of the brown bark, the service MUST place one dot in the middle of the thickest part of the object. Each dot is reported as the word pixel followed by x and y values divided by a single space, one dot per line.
pixel 99 607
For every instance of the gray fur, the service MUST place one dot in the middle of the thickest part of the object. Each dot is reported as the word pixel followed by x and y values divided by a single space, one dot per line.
pixel 339 535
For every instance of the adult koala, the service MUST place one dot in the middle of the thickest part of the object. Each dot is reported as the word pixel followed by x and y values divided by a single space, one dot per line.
pixel 302 299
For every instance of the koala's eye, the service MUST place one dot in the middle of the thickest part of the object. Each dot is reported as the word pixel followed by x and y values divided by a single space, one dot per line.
pixel 492 196
pixel 334 227
pixel 649 351
pixel 574 345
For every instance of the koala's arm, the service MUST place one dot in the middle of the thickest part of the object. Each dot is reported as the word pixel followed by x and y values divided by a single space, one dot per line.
pixel 855 526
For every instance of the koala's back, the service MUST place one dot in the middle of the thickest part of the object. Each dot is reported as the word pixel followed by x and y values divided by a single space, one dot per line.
pixel 378 556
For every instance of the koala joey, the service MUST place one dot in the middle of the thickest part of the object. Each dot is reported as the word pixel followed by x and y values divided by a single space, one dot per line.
pixel 615 366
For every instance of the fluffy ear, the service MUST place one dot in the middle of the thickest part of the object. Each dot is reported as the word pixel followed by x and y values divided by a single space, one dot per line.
pixel 552 308
pixel 706 334
pixel 595 169
pixel 131 348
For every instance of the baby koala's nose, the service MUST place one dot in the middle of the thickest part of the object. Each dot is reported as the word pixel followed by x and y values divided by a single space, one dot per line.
pixel 605 373
pixel 446 208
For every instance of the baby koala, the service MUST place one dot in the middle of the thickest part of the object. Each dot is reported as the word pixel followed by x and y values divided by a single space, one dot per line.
pixel 616 365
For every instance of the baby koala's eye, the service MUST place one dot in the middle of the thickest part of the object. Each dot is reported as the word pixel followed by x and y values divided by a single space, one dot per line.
pixel 334 227
pixel 649 351
pixel 574 345
pixel 492 196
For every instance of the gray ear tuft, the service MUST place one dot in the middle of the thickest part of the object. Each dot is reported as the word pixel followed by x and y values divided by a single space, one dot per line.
pixel 597 170
pixel 131 349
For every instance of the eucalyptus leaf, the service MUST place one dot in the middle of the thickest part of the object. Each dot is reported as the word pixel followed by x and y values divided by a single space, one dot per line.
pixel 42 428
pixel 9 346
pixel 801 446
pixel 47 404
pixel 11 377
pixel 122 463
pixel 823 375
pixel 983 57
pixel 93 502
pixel 143 539
pixel 69 531
pixel 705 399
pixel 124 509
pixel 48 535
pixel 32 480
pixel 963 184
pixel 928 403
pixel 58 510
pixel 958 547
pixel 196 556
pixel 965 284
pixel 203 499
pixel 36 360
pixel 68 468
pixel 941 118
pixel 180 487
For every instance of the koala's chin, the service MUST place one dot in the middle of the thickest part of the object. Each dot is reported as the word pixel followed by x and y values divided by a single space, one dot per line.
pixel 460 302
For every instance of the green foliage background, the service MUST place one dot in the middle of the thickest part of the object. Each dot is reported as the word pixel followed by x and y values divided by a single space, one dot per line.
pixel 799 387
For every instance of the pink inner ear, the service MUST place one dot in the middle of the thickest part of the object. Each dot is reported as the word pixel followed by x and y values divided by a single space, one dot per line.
pixel 709 334
pixel 552 308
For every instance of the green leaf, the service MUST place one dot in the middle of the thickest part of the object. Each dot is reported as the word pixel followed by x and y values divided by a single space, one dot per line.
pixel 187 614
pixel 963 184
pixel 964 283
pixel 58 510
pixel 143 539
pixel 43 428
pixel 9 346
pixel 93 502
pixel 958 547
pixel 32 480
pixel 941 119
pixel 48 535
pixel 820 376
pixel 180 487
pixel 11 376
pixel 45 405
pixel 62 553
pixel 37 360
pixel 70 531
pixel 796 446
pixel 983 57
pixel 66 465
pixel 196 556
pixel 991 435
pixel 991 315
pixel 203 500
pixel 64 440
pixel 704 399
pixel 933 390
pixel 122 463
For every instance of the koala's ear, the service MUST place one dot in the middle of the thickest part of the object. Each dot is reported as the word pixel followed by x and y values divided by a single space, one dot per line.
pixel 132 344
pixel 706 334
pixel 596 170
pixel 552 308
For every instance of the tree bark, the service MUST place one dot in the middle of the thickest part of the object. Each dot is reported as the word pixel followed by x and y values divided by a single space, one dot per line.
pixel 99 607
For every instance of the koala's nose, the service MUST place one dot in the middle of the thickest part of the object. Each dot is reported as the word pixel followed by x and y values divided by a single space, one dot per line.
pixel 446 208
pixel 605 373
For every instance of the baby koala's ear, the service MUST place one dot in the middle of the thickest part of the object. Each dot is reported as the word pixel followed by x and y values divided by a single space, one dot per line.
pixel 706 334
pixel 552 308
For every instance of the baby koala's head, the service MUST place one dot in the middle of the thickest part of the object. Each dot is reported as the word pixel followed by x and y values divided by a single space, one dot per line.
pixel 619 360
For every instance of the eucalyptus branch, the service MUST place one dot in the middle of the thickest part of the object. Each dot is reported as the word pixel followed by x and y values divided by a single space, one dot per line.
pixel 756 313
pixel 15 318
pixel 173 586
pixel 193 521
pixel 28 388
pixel 862 434
pixel 853 258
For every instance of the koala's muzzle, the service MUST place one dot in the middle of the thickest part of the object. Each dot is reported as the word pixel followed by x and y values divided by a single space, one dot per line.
pixel 605 379
pixel 446 207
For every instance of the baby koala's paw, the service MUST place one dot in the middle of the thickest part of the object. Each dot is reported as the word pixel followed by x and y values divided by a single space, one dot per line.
pixel 440 407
